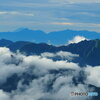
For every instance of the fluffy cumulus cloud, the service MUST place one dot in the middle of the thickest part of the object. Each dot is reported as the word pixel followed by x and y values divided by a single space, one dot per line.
pixel 4 95
pixel 77 39
pixel 60 55
pixel 44 78
pixel 93 75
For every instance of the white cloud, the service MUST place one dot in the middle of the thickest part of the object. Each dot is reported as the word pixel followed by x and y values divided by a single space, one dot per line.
pixel 74 1
pixel 60 55
pixel 4 51
pixel 10 63
pixel 15 13
pixel 85 1
pixel 93 75
pixel 77 39
pixel 49 63
pixel 66 55
pixel 4 96
pixel 54 78
pixel 62 23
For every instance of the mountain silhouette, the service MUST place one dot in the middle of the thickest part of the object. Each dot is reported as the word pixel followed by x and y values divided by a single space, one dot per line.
pixel 4 42
pixel 54 38
pixel 88 50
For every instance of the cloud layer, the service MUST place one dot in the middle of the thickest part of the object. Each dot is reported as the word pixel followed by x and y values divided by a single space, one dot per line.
pixel 44 78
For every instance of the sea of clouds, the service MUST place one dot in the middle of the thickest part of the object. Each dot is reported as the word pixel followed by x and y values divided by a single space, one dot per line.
pixel 44 77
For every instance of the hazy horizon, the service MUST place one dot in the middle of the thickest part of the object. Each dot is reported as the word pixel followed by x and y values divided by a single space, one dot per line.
pixel 22 28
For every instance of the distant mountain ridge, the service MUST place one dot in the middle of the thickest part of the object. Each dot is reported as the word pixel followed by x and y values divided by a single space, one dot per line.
pixel 54 38
pixel 88 50
pixel 4 42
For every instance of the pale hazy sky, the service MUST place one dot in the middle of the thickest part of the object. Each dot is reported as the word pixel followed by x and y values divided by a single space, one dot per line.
pixel 50 15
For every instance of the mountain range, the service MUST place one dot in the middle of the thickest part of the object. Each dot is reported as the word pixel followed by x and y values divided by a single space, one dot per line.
pixel 54 38
pixel 88 50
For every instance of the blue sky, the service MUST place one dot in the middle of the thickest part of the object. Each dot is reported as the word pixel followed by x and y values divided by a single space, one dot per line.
pixel 50 15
